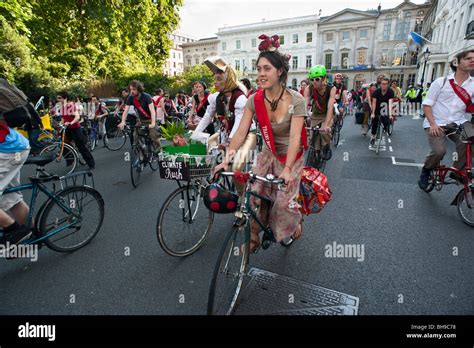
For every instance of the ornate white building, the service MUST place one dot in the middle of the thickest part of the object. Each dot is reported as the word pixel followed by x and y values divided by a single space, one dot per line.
pixel 239 45
pixel 197 51
pixel 450 27
pixel 174 64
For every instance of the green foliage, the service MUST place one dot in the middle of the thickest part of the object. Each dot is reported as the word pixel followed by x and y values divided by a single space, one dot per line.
pixel 189 76
pixel 172 129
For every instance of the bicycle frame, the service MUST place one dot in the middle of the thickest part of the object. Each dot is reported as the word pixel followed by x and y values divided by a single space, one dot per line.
pixel 36 188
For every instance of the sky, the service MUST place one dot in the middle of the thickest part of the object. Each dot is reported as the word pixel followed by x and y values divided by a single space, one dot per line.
pixel 202 18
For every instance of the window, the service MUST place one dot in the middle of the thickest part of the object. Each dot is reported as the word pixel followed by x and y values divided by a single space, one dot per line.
pixel 329 36
pixel 237 65
pixel 174 55
pixel 174 65
pixel 282 39
pixel 411 79
pixel 363 34
pixel 361 57
pixel 295 38
pixel 309 62
pixel 328 61
pixel 406 25
pixel 453 35
pixel 344 60
pixel 179 55
pixel 189 62
pixel 403 26
pixel 387 28
pixel 384 61
pixel 400 54
pixel 196 61
pixel 459 34
pixel 294 83
pixel 254 64
pixel 254 42
pixel 237 44
pixel 345 35
pixel 224 46
pixel 204 48
pixel 309 37
pixel 295 62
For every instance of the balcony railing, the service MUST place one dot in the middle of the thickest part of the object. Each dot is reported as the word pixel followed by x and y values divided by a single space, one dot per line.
pixel 470 31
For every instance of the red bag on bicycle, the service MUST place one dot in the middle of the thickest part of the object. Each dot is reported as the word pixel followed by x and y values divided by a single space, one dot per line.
pixel 314 191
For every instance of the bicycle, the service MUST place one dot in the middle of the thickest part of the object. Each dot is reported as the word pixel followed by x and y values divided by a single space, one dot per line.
pixel 314 157
pixel 233 260
pixel 91 128
pixel 142 154
pixel 63 214
pixel 379 132
pixel 114 137
pixel 65 155
pixel 464 199
pixel 181 227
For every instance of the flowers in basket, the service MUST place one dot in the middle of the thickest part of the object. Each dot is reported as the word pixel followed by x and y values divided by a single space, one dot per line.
pixel 175 132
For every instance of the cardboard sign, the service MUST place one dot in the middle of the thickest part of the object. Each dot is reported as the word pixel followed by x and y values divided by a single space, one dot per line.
pixel 174 170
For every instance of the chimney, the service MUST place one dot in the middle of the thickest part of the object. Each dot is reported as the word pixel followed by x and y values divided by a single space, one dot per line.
pixel 379 8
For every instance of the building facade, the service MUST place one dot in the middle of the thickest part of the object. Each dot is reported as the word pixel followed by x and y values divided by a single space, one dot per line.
pixel 450 28
pixel 197 51
pixel 174 65
pixel 238 45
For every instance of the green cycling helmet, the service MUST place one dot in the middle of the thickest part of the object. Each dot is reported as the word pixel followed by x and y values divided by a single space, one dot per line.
pixel 317 71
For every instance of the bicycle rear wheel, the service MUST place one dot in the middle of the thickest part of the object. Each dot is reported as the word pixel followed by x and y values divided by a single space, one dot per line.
pixel 65 160
pixel 229 271
pixel 73 221
pixel 183 222
pixel 465 206
pixel 390 127
pixel 115 139
pixel 136 165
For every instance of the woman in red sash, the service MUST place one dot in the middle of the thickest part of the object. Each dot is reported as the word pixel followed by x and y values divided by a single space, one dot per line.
pixel 280 113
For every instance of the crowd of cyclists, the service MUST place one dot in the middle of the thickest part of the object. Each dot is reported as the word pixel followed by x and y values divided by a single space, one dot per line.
pixel 232 116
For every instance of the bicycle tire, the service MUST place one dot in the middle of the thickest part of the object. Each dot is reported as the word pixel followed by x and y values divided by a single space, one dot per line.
pixel 431 182
pixel 115 134
pixel 336 135
pixel 59 165
pixel 378 138
pixel 466 214
pixel 183 204
pixel 390 127
pixel 65 197
pixel 92 141
pixel 227 255
pixel 136 165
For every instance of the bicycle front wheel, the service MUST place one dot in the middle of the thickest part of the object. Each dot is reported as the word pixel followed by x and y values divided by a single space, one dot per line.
pixel 136 165
pixel 465 205
pixel 336 134
pixel 115 139
pixel 390 127
pixel 72 220
pixel 65 159
pixel 378 139
pixel 229 271
pixel 183 222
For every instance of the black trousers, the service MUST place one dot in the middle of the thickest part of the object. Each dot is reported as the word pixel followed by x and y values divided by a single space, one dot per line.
pixel 77 135
pixel 375 123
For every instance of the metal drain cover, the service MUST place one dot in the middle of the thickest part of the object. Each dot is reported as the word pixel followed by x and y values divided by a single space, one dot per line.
pixel 268 293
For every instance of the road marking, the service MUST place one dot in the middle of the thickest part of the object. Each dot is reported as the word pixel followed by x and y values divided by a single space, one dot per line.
pixel 394 162
pixel 389 140
pixel 390 148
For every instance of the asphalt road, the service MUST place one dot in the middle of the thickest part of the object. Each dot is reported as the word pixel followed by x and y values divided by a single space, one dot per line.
pixel 408 238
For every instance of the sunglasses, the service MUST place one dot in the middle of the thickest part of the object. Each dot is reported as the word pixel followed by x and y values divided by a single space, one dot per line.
pixel 316 79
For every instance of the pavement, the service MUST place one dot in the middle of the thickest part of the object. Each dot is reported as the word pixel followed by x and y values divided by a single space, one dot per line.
pixel 417 260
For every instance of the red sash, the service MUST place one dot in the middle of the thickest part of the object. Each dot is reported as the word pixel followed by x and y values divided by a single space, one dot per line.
pixel 316 98
pixel 203 101
pixel 156 101
pixel 137 105
pixel 463 95
pixel 266 127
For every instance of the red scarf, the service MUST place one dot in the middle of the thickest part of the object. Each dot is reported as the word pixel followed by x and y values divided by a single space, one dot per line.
pixel 203 101
pixel 136 103
pixel 266 127
pixel 463 95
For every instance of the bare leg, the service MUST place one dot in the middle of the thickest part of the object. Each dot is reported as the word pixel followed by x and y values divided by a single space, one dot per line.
pixel 5 219
pixel 20 212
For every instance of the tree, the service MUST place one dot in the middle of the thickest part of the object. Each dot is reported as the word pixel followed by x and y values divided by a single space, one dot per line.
pixel 189 76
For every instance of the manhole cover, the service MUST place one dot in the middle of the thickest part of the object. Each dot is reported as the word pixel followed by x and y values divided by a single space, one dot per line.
pixel 270 293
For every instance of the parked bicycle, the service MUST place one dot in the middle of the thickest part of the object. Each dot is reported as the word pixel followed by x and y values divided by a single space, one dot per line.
pixel 233 261
pixel 464 200
pixel 70 217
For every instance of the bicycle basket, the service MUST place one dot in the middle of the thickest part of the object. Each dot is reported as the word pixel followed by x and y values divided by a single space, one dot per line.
pixel 184 166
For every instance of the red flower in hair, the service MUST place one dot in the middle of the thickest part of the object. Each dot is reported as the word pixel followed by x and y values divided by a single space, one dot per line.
pixel 264 45
pixel 269 43
pixel 263 37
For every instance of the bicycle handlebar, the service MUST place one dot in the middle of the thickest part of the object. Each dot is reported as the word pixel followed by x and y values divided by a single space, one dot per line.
pixel 270 178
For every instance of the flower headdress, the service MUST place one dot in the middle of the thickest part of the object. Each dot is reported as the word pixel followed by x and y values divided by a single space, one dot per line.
pixel 271 44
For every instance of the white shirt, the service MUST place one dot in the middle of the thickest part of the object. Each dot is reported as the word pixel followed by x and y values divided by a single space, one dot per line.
pixel 447 107
pixel 211 112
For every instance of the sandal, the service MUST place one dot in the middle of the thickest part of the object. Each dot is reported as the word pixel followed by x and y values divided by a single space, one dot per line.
pixel 299 231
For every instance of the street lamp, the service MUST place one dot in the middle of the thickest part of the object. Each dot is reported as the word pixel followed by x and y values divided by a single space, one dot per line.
pixel 426 55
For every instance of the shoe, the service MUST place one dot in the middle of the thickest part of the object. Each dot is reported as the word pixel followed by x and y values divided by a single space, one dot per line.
pixel 455 176
pixel 327 152
pixel 424 180
pixel 16 235
pixel 372 142
pixel 91 167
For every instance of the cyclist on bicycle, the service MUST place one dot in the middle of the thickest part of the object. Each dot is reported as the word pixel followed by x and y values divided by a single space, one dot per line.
pixel 145 108
pixel 320 97
pixel 382 107
pixel 341 94
pixel 97 112
pixel 169 105
pixel 446 105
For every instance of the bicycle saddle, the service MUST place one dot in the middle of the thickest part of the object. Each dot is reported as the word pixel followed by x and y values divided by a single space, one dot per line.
pixel 40 160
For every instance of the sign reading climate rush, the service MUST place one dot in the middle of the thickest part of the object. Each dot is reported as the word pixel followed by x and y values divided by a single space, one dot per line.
pixel 174 170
